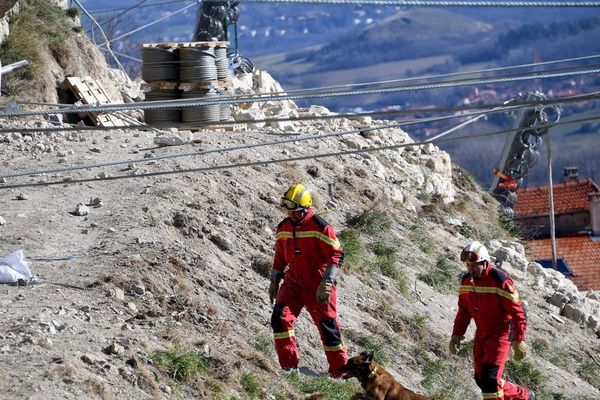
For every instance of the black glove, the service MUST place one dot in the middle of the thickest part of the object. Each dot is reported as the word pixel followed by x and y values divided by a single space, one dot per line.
pixel 276 276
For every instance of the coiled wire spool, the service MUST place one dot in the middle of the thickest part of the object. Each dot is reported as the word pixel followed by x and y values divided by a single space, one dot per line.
pixel 197 64
pixel 159 64
pixel 200 114
pixel 162 116
pixel 222 62
pixel 225 109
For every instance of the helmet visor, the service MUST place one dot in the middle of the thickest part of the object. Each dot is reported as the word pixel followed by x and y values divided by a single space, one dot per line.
pixel 469 256
pixel 289 204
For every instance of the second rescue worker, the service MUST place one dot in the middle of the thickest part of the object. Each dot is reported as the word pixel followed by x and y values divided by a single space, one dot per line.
pixel 488 296
pixel 308 254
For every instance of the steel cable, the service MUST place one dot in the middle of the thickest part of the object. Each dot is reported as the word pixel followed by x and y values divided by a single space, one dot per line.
pixel 162 116
pixel 160 64
pixel 222 62
pixel 435 3
pixel 393 112
pixel 499 109
pixel 221 167
pixel 225 109
pixel 268 97
pixel 207 113
pixel 197 64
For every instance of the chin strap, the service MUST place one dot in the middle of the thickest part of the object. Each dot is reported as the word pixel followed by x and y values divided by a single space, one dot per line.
pixel 373 373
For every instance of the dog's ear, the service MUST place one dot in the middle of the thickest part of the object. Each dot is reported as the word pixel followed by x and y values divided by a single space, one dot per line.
pixel 369 357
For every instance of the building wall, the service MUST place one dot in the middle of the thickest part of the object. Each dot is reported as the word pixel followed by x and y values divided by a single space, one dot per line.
pixel 565 224
pixel 595 206
pixel 5 5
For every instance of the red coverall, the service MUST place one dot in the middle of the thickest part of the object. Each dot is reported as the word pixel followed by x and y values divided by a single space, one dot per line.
pixel 493 302
pixel 306 249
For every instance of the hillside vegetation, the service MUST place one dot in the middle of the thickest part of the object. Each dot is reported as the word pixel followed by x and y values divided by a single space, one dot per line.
pixel 160 291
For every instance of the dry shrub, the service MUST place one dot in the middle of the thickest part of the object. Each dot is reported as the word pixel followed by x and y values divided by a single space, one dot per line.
pixel 292 174
pixel 147 382
pixel 177 265
pixel 98 388
pixel 64 372
pixel 154 285
pixel 210 309
pixel 183 287
pixel 117 279
pixel 256 358
pixel 262 265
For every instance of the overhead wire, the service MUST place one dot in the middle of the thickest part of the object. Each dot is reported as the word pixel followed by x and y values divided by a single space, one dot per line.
pixel 162 3
pixel 294 159
pixel 452 74
pixel 393 112
pixel 261 98
pixel 501 108
pixel 405 3
pixel 434 3
pixel 169 15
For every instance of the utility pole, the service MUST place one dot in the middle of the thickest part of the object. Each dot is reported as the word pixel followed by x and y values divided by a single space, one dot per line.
pixel 551 205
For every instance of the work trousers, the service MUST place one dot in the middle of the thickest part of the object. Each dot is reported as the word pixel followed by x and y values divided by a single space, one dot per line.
pixel 290 301
pixel 490 353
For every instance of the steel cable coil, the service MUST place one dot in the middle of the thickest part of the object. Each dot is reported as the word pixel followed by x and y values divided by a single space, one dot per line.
pixel 222 62
pixel 159 64
pixel 225 109
pixel 207 113
pixel 198 64
pixel 158 116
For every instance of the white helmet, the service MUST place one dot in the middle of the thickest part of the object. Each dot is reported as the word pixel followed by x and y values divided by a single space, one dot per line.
pixel 475 252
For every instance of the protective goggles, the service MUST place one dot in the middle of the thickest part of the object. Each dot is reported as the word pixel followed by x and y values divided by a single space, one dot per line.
pixel 469 256
pixel 289 204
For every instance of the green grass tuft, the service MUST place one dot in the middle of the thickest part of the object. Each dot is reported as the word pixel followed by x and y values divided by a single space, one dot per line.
pixel 250 385
pixel 524 374
pixel 372 222
pixel 40 26
pixel 181 366
pixel 354 249
pixel 444 276
pixel 331 389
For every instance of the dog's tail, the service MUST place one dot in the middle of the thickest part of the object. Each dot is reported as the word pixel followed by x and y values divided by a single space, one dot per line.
pixel 315 396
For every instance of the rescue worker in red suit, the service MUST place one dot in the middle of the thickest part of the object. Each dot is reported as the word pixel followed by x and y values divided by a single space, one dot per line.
pixel 488 296
pixel 307 258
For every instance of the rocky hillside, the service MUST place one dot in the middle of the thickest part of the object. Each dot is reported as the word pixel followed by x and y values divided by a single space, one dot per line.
pixel 159 289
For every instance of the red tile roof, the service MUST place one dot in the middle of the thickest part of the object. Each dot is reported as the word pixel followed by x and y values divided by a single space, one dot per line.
pixel 581 253
pixel 568 197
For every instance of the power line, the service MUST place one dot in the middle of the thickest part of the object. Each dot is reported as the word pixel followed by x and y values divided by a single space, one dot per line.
pixel 110 10
pixel 435 3
pixel 295 159
pixel 261 98
pixel 151 23
pixel 133 7
pixel 452 74
pixel 255 145
pixel 412 111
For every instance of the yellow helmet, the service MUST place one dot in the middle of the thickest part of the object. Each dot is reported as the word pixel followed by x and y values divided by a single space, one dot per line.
pixel 296 198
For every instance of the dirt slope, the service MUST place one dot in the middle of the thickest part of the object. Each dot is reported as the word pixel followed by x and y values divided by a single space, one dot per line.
pixel 190 254
pixel 160 291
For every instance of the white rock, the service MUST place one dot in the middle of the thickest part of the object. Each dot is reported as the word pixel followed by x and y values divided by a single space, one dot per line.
pixel 174 138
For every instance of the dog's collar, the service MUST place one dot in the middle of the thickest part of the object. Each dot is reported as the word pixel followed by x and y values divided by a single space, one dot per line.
pixel 373 373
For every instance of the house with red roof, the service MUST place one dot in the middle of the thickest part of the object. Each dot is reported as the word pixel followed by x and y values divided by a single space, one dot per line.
pixel 577 227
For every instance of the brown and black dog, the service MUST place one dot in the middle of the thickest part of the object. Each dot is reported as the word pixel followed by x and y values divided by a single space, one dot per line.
pixel 376 381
